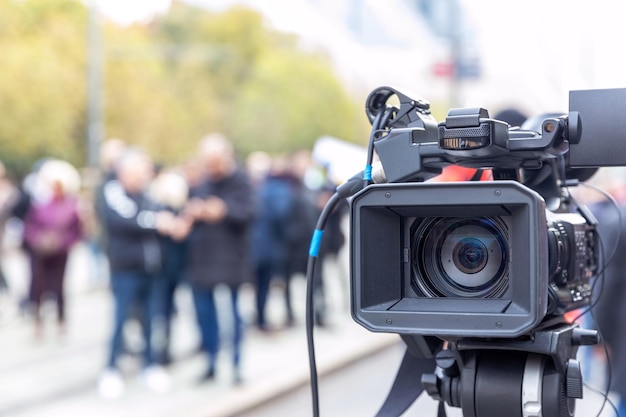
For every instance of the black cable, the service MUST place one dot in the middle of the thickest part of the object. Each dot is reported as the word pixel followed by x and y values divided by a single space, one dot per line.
pixel 589 310
pixel 600 280
pixel 310 276
pixel 367 173
pixel 606 399
pixel 609 373
pixel 349 188
pixel 605 262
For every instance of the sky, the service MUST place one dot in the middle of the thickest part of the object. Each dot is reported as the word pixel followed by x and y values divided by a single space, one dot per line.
pixel 532 52
pixel 129 11
pixel 546 48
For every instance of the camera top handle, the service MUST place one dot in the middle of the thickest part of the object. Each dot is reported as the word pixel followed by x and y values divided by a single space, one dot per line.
pixel 412 146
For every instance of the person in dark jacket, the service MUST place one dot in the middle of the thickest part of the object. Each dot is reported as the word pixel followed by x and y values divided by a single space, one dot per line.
pixel 133 223
pixel 218 253
pixel 270 245
pixel 111 150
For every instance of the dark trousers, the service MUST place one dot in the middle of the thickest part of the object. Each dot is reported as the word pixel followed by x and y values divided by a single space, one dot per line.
pixel 47 277
pixel 207 316
pixel 137 293
pixel 264 278
pixel 287 275
pixel 170 279
pixel 266 271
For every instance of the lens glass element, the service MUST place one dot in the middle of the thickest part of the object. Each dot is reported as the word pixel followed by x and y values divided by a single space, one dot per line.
pixel 461 257
pixel 470 255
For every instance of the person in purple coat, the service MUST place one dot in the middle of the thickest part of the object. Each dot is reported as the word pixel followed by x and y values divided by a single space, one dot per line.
pixel 51 228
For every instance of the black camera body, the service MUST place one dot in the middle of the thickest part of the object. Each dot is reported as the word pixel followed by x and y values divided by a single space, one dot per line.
pixel 489 267
pixel 478 259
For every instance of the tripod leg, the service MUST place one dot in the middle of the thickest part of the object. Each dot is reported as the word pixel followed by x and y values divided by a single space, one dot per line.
pixel 406 387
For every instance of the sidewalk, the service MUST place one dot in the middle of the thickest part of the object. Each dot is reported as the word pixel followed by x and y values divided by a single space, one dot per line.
pixel 57 376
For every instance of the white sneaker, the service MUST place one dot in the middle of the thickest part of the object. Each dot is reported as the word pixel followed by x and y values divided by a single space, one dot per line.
pixel 157 379
pixel 111 384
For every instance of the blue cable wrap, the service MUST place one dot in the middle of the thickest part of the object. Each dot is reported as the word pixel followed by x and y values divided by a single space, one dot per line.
pixel 367 173
pixel 316 240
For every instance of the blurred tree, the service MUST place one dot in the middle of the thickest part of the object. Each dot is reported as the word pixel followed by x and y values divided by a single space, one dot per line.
pixel 42 88
pixel 291 100
pixel 250 82
pixel 167 83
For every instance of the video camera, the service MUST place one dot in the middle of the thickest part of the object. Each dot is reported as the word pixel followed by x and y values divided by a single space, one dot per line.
pixel 488 267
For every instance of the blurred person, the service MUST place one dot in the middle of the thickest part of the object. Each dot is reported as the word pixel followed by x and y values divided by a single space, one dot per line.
pixel 222 210
pixel 193 172
pixel 9 196
pixel 301 224
pixel 170 190
pixel 111 150
pixel 51 228
pixel 258 165
pixel 31 189
pixel 270 244
pixel 133 223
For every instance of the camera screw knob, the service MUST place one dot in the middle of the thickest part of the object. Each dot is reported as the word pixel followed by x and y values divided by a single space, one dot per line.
pixel 446 361
pixel 432 385
pixel 585 337
pixel 573 380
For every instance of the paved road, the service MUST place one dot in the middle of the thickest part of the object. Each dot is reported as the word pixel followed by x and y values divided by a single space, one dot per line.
pixel 57 376
pixel 360 388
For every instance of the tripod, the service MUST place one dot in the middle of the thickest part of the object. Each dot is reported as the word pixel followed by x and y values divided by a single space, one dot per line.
pixel 533 376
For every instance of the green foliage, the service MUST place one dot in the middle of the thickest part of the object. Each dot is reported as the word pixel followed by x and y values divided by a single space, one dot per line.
pixel 268 94
pixel 42 88
pixel 289 101
pixel 166 84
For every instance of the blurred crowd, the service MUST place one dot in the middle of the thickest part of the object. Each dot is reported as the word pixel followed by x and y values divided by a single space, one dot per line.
pixel 212 221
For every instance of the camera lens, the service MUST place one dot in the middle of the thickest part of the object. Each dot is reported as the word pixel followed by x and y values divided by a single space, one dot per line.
pixel 460 257
pixel 470 255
